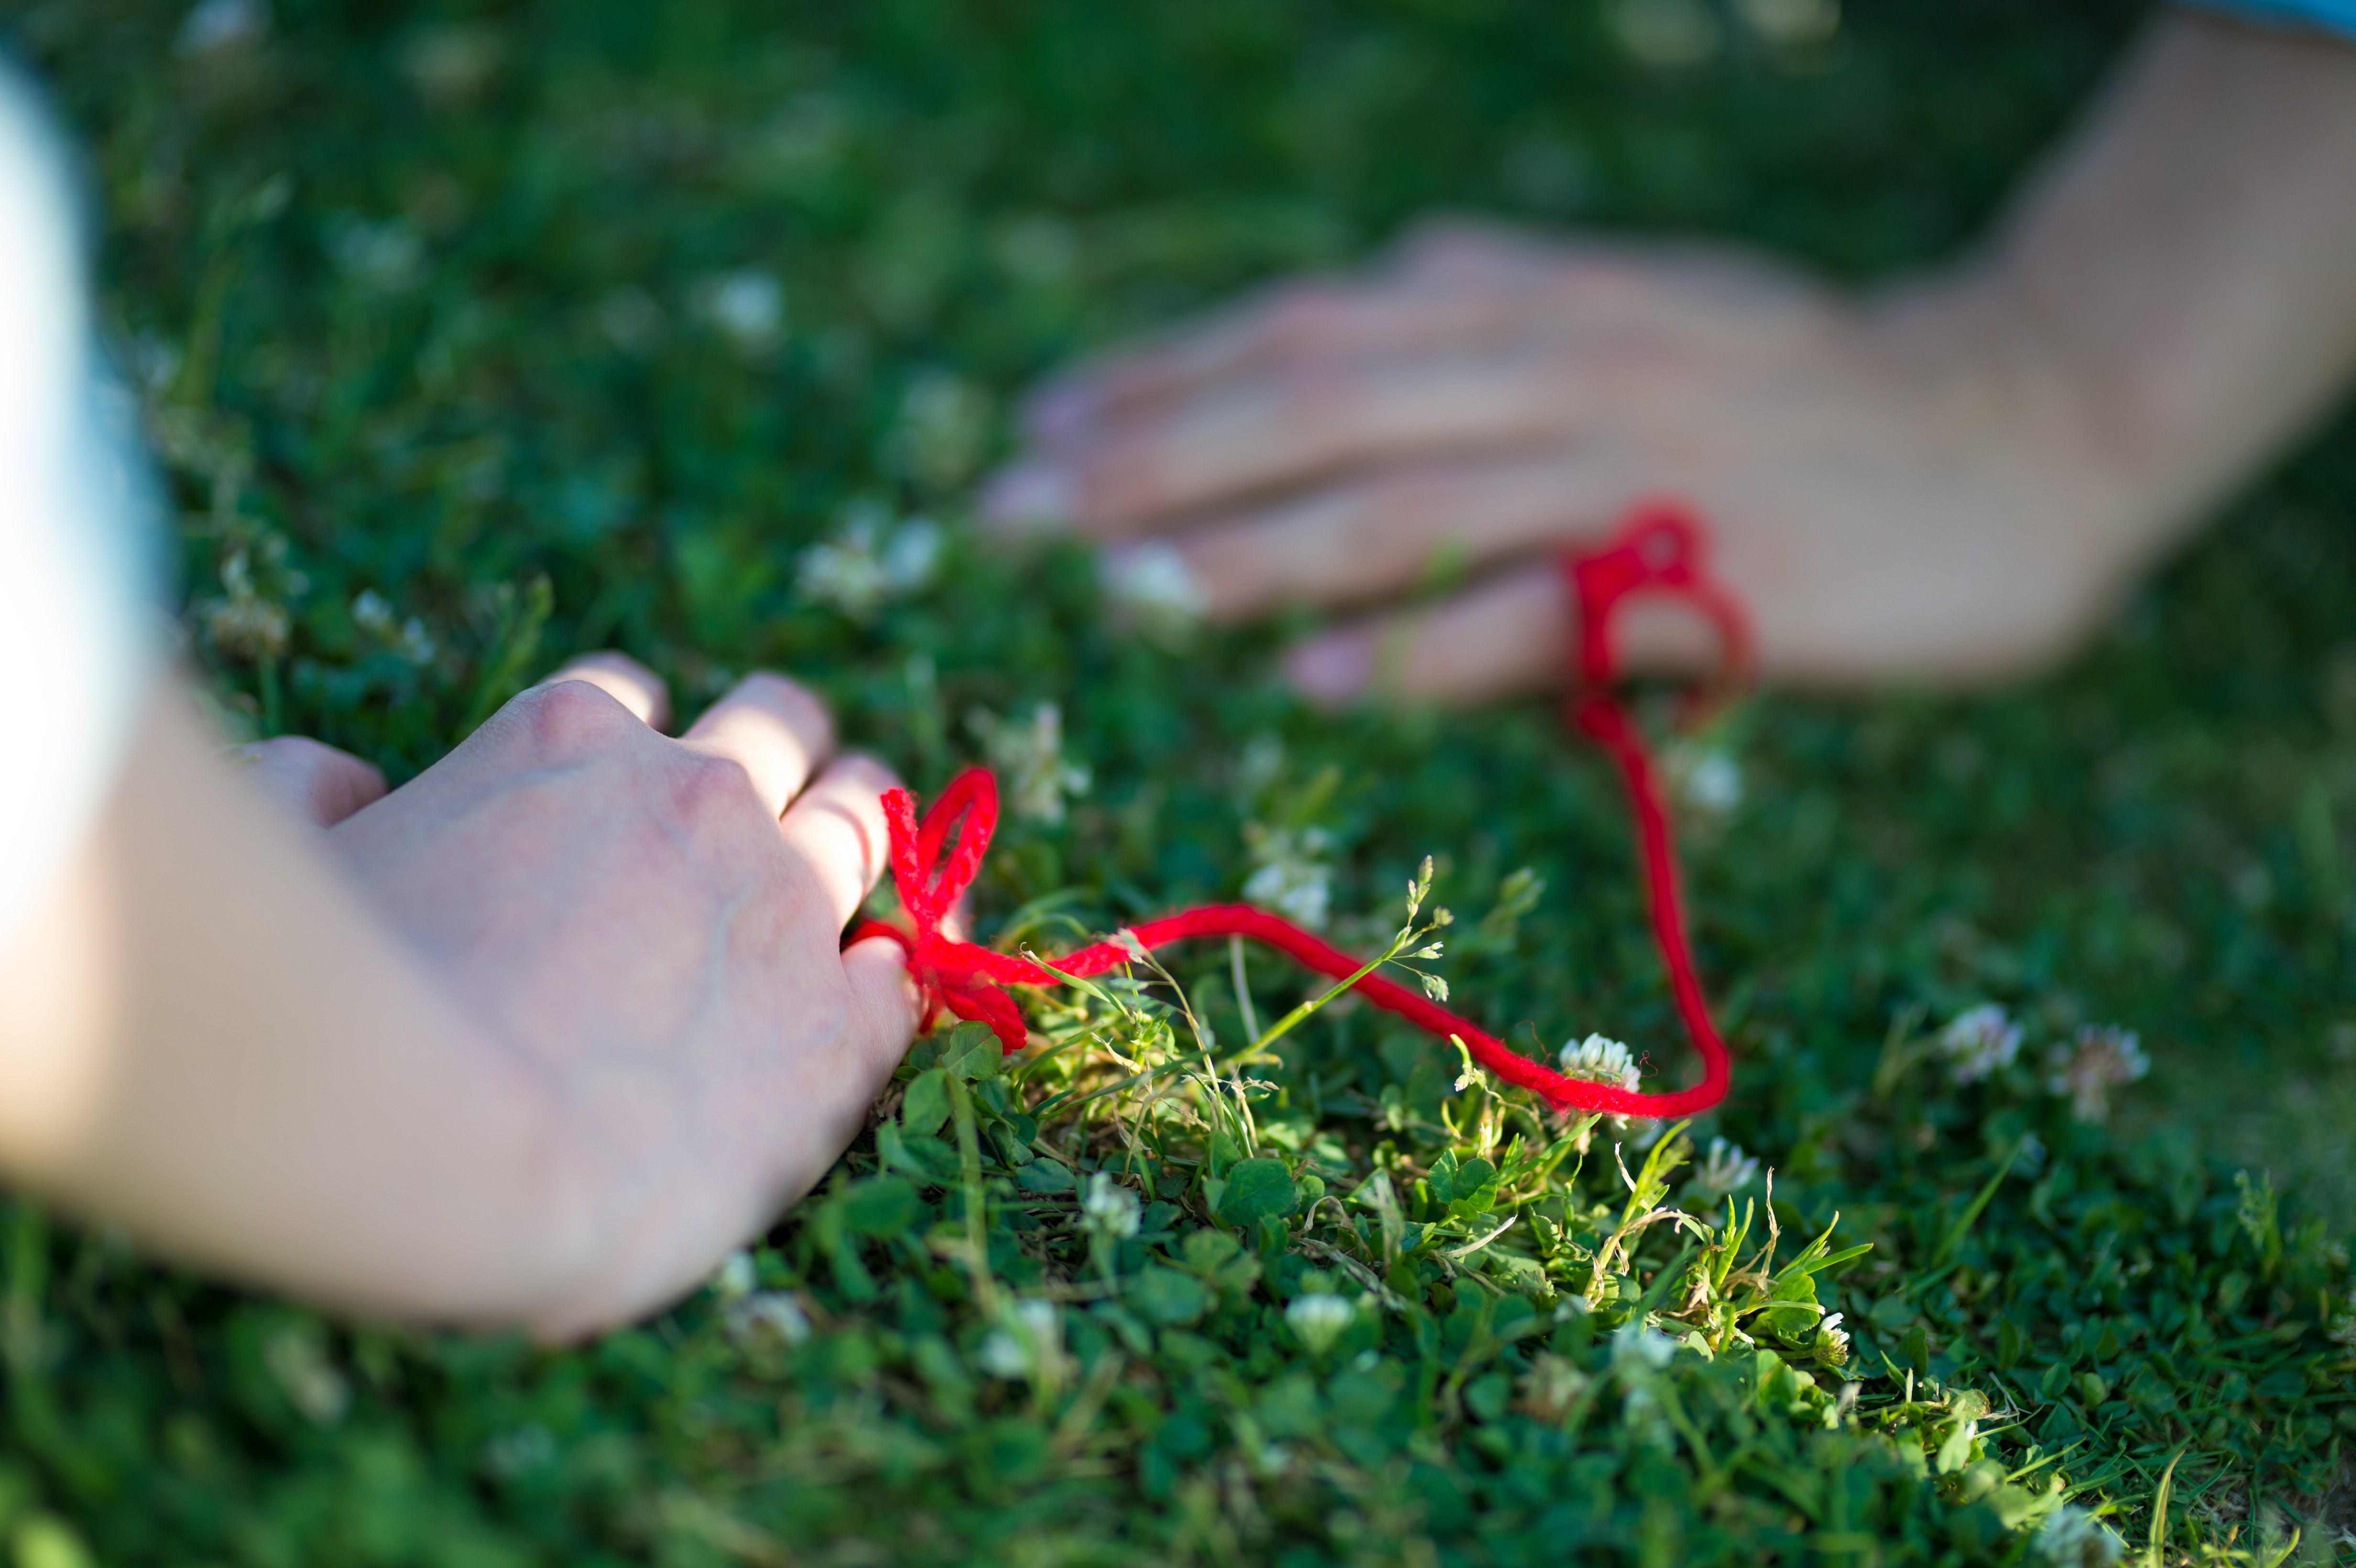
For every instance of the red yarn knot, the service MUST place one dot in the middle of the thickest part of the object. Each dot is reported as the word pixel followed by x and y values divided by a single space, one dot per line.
pixel 934 861
pixel 961 978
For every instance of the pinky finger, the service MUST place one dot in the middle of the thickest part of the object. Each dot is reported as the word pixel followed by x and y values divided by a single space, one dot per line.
pixel 883 1003
pixel 1508 636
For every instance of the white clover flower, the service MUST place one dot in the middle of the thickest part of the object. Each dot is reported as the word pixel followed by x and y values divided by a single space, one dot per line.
pixel 2088 1068
pixel 734 1278
pixel 1551 1385
pixel 747 306
pixel 1292 879
pixel 2342 1330
pixel 219 25
pixel 1109 1209
pixel 1708 779
pixel 527 1448
pixel 297 1360
pixel 1028 1344
pixel 387 256
pixel 372 614
pixel 938 436
pixel 1639 1348
pixel 1979 1042
pixel 2073 1538
pixel 870 561
pixel 1602 1060
pixel 1030 761
pixel 1831 1344
pixel 243 624
pixel 767 1314
pixel 1318 1319
pixel 1152 581
pixel 1724 1170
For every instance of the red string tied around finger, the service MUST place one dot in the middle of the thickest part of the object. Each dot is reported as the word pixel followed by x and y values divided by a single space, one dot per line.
pixel 1660 550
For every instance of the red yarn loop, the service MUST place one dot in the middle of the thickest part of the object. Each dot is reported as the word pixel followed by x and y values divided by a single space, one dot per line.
pixel 1660 549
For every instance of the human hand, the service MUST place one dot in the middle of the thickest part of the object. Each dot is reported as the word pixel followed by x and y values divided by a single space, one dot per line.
pixel 650 929
pixel 1900 489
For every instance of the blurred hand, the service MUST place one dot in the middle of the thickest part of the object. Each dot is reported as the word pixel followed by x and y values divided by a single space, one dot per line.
pixel 1906 489
pixel 651 928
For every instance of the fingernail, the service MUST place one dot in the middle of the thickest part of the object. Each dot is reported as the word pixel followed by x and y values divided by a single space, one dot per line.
pixel 1028 496
pixel 1332 669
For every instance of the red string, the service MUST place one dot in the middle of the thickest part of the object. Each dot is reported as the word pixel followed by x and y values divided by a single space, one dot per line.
pixel 1659 550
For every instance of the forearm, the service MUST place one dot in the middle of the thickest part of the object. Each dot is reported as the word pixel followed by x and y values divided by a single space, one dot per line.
pixel 2188 262
pixel 207 1038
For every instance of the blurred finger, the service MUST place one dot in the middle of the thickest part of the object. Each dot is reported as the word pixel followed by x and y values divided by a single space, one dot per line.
pixel 775 730
pixel 307 780
pixel 1274 434
pixel 836 828
pixel 883 1003
pixel 1508 636
pixel 1364 536
pixel 624 679
pixel 1327 323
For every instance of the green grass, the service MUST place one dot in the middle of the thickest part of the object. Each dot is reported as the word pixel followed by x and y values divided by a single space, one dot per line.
pixel 419 307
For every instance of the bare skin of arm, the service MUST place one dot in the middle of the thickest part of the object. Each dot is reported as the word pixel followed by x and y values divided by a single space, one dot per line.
pixel 531 1040
pixel 1951 480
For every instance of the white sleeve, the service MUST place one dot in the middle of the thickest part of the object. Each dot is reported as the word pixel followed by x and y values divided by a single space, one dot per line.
pixel 74 527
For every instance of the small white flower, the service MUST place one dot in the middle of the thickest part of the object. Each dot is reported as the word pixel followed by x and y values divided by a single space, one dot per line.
pixel 870 561
pixel 1551 1386
pixel 1831 1346
pixel 767 1313
pixel 527 1448
pixel 1979 1042
pixel 298 1361
pixel 1029 1344
pixel 2342 1330
pixel 2073 1538
pixel 1153 582
pixel 219 25
pixel 736 1277
pixel 1707 778
pixel 1030 760
pixel 2098 1060
pixel 1724 1170
pixel 243 624
pixel 1638 1348
pixel 1109 1209
pixel 1292 879
pixel 938 437
pixel 1318 1319
pixel 372 614
pixel 747 306
pixel 1602 1060
pixel 387 256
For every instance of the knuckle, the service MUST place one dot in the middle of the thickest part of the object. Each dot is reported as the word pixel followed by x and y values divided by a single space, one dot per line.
pixel 712 794
pixel 566 719
pixel 796 703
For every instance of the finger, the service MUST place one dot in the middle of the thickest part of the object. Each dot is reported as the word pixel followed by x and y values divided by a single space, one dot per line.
pixel 1310 322
pixel 775 730
pixel 1508 636
pixel 1461 250
pixel 1363 537
pixel 836 829
pixel 624 679
pixel 1273 434
pixel 885 1008
pixel 307 780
